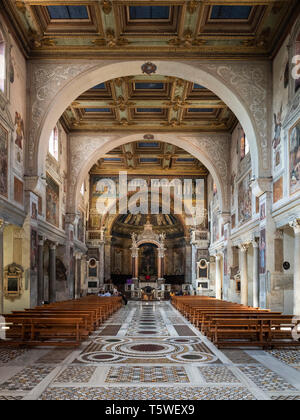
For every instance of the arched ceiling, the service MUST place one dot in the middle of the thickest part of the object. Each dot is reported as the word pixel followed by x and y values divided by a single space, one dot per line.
pixel 149 157
pixel 148 103
pixel 175 28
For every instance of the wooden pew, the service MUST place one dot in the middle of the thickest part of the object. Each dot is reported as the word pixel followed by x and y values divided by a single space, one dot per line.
pixel 61 323
pixel 230 324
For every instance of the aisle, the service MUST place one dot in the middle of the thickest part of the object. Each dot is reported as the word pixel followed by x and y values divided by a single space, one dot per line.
pixel 149 351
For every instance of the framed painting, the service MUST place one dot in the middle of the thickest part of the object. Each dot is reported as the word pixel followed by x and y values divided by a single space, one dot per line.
pixel 52 201
pixel 278 190
pixel 294 155
pixel 245 200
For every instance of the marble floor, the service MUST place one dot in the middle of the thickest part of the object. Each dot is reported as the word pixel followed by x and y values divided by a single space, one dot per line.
pixel 149 352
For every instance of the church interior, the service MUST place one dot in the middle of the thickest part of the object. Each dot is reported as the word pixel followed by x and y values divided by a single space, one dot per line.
pixel 149 200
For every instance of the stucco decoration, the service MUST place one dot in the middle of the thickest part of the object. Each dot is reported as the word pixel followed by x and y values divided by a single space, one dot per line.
pixel 251 85
pixel 46 81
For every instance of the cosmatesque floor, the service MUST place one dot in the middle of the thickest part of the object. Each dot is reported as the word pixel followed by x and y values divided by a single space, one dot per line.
pixel 149 352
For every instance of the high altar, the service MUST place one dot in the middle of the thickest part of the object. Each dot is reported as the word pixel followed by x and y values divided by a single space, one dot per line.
pixel 148 251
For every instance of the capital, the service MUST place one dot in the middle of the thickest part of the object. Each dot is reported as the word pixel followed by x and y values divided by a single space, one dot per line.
pixel 244 247
pixel 53 246
pixel 295 224
pixel 278 234
pixel 261 186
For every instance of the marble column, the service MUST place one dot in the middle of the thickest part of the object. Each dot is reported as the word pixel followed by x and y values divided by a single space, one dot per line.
pixel 101 263
pixel 52 272
pixel 194 265
pixel 40 271
pixel 159 267
pixel 78 275
pixel 1 267
pixel 296 226
pixel 255 274
pixel 188 262
pixel 136 271
pixel 161 256
pixel 218 284
pixel 107 259
pixel 244 274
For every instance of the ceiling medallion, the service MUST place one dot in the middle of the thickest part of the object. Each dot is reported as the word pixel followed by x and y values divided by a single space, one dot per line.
pixel 106 6
pixel 149 68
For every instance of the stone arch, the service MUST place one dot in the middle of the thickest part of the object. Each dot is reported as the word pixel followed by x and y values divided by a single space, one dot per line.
pixel 244 88
pixel 211 150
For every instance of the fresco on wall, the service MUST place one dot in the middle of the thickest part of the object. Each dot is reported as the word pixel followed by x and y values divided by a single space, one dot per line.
pixel 215 227
pixel 245 200
pixel 295 159
pixel 19 139
pixel 262 252
pixel 278 190
pixel 80 227
pixel 52 202
pixel 233 178
pixel 3 162
pixel 34 211
pixel 276 143
pixel 263 211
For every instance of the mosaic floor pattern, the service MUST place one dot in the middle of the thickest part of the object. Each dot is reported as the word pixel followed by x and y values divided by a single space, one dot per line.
pixel 148 351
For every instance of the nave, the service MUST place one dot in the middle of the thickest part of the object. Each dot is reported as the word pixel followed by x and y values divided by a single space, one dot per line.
pixel 148 351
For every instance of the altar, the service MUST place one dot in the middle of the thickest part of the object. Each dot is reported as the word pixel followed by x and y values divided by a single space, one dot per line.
pixel 148 291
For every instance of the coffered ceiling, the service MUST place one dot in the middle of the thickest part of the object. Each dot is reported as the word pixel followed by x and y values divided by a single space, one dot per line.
pixel 149 157
pixel 156 28
pixel 155 103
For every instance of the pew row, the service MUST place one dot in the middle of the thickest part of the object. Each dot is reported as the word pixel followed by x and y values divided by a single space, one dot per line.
pixel 229 324
pixel 65 323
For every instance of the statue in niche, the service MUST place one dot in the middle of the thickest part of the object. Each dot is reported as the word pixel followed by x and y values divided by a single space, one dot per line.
pixel 162 238
pixel 134 239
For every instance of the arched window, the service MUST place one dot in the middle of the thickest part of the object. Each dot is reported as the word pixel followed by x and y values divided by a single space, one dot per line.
pixel 2 63
pixel 82 189
pixel 53 143
pixel 244 146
